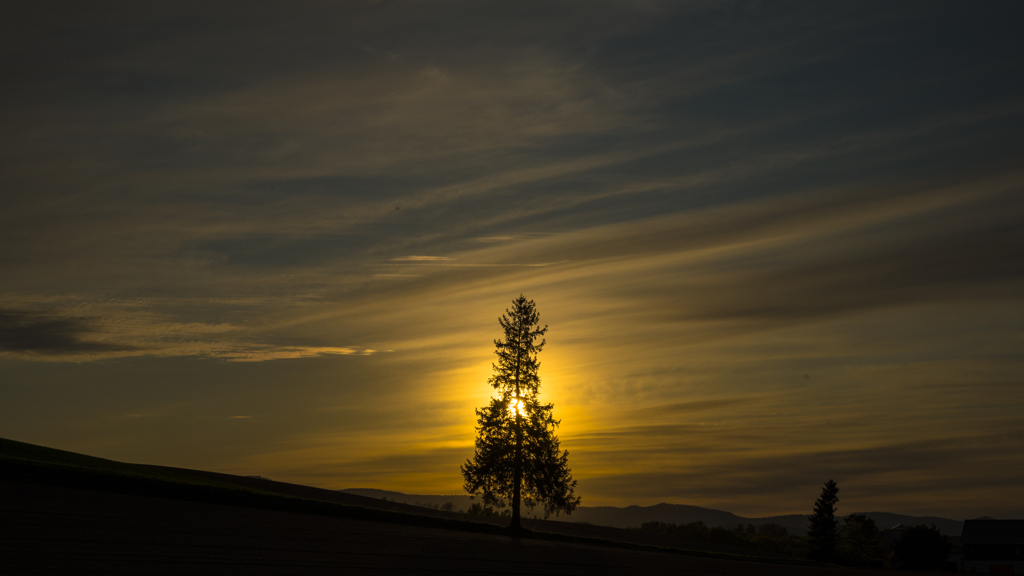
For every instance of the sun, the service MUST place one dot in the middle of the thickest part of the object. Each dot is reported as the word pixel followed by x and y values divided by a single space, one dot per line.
pixel 517 406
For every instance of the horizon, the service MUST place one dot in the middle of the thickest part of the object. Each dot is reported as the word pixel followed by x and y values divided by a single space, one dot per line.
pixel 774 245
pixel 808 514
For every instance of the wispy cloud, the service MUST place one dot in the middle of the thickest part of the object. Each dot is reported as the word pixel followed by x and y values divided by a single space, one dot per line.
pixel 421 259
pixel 119 329
pixel 262 353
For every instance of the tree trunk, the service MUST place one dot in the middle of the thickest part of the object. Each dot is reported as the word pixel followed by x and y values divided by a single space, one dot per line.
pixel 516 524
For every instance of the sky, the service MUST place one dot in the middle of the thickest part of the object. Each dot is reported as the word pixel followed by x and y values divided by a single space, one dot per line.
pixel 774 243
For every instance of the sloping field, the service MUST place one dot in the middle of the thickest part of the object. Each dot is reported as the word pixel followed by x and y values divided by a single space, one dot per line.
pixel 52 530
pixel 66 513
pixel 30 464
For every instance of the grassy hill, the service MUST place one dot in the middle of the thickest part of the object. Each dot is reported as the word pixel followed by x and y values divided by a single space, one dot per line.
pixel 27 461
pixel 29 464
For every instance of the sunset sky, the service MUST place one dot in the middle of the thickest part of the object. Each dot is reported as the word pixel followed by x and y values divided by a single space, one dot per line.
pixel 775 243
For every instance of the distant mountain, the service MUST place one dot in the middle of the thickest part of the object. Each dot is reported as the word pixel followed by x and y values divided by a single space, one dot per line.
pixel 679 514
pixel 888 520
pixel 632 516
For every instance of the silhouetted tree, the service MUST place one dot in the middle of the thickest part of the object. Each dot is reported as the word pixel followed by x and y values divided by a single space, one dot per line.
pixel 922 548
pixel 824 530
pixel 518 457
pixel 862 542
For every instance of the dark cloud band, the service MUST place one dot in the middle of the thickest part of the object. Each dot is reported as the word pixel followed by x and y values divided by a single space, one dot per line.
pixel 38 333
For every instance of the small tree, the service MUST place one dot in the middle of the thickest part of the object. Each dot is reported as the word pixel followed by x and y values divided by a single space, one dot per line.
pixel 518 457
pixel 824 530
pixel 922 548
pixel 862 542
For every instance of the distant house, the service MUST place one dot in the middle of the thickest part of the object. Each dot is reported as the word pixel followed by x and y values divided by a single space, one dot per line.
pixel 993 546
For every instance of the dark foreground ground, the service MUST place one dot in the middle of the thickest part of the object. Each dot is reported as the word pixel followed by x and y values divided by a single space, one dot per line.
pixel 51 530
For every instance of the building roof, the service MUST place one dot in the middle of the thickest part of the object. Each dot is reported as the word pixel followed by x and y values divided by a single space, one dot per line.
pixel 986 531
pixel 891 535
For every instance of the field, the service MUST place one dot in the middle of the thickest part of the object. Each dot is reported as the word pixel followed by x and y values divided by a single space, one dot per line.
pixel 66 513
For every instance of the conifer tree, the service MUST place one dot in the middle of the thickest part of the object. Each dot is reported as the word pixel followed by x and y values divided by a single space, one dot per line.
pixel 824 529
pixel 518 458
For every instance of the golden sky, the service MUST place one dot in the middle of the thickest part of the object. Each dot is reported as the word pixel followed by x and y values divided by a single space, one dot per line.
pixel 773 245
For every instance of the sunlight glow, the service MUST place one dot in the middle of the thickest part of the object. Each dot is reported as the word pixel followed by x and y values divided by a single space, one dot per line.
pixel 517 406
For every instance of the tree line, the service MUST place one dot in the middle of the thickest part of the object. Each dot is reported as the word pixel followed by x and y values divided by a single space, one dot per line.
pixel 763 538
pixel 856 542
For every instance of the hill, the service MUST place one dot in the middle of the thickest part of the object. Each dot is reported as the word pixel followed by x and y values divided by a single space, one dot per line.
pixel 24 465
pixel 54 530
pixel 36 465
pixel 634 516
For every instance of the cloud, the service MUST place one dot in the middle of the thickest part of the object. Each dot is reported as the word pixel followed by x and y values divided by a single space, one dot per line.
pixel 135 327
pixel 421 259
pixel 256 353
pixel 808 257
pixel 691 406
pixel 31 332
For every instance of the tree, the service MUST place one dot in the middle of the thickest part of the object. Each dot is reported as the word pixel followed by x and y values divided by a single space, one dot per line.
pixel 922 548
pixel 518 457
pixel 824 530
pixel 862 542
